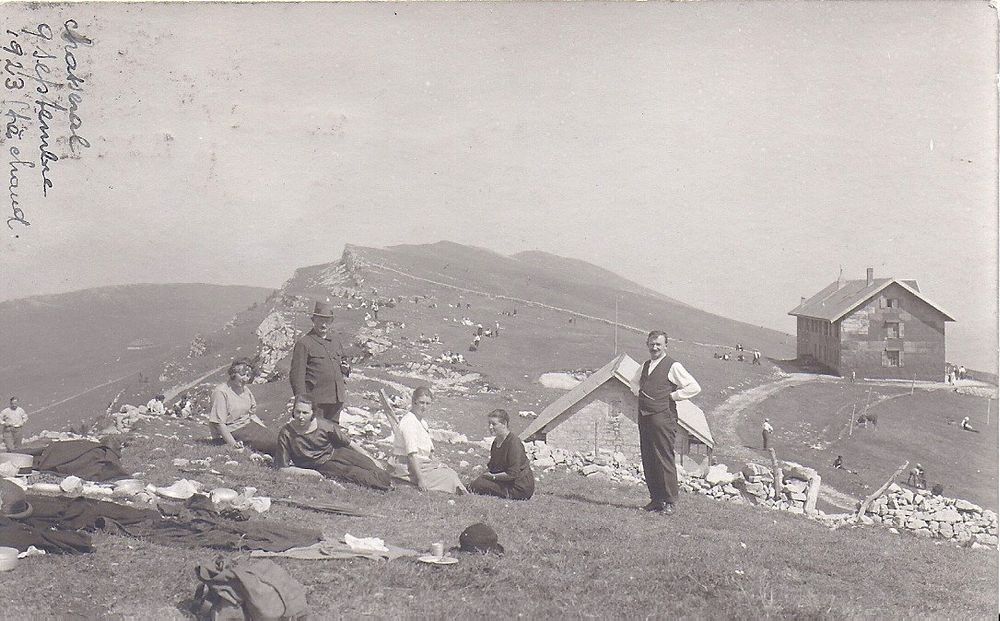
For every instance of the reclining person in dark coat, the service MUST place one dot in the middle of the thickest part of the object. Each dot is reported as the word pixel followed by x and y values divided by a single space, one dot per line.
pixel 319 444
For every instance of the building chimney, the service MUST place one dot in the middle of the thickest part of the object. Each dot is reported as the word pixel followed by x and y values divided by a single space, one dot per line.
pixel 870 276
pixel 802 300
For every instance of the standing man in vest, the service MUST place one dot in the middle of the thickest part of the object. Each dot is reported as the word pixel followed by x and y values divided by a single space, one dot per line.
pixel 319 366
pixel 660 383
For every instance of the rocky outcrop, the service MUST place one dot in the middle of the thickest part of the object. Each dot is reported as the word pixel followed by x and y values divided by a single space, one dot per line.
pixel 276 338
pixel 198 347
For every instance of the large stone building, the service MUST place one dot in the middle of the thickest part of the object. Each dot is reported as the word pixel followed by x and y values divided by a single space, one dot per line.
pixel 876 327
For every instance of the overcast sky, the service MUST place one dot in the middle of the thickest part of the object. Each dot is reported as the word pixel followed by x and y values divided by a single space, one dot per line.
pixel 730 155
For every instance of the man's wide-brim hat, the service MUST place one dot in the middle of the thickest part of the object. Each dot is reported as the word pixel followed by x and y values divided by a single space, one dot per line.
pixel 13 503
pixel 323 308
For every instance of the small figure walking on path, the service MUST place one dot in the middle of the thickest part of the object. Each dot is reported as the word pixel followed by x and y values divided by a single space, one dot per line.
pixel 12 421
pixel 756 357
pixel 839 462
pixel 765 431
pixel 917 478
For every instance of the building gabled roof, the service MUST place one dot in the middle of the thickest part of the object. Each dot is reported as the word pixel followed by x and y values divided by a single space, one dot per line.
pixel 836 300
pixel 621 369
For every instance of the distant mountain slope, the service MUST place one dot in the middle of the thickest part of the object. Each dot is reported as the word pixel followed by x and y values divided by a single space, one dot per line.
pixel 567 283
pixel 53 346
pixel 578 271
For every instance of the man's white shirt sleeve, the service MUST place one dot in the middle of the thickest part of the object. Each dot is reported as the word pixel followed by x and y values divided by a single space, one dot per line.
pixel 687 386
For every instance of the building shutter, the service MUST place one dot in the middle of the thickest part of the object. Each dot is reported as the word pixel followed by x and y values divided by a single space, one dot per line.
pixel 900 336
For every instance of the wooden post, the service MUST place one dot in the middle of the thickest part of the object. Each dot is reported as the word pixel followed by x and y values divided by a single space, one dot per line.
pixel 881 490
pixel 595 439
pixel 868 399
pixel 854 410
pixel 913 384
pixel 988 400
pixel 390 414
pixel 779 483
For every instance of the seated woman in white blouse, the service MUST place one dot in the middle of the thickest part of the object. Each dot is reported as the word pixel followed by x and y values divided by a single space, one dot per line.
pixel 232 419
pixel 413 451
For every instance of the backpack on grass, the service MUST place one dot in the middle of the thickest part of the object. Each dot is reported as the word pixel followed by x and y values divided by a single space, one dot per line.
pixel 259 590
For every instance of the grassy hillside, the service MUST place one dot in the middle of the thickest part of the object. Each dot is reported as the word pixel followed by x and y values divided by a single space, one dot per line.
pixel 56 346
pixel 580 547
pixel 812 426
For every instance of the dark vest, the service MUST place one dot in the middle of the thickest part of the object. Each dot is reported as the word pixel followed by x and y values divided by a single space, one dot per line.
pixel 655 388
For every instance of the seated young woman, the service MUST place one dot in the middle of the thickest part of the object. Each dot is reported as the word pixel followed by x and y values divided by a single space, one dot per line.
pixel 232 419
pixel 413 450
pixel 509 472
pixel 308 441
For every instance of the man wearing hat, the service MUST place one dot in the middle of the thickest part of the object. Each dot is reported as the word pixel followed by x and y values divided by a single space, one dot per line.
pixel 660 383
pixel 319 366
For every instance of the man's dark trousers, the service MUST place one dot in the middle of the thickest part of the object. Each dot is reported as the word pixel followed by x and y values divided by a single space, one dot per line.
pixel 330 411
pixel 656 443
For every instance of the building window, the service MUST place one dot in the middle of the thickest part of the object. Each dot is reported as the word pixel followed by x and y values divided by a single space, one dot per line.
pixel 892 303
pixel 893 358
pixel 892 330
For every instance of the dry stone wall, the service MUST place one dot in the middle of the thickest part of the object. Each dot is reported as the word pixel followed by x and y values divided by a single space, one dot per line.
pixel 900 509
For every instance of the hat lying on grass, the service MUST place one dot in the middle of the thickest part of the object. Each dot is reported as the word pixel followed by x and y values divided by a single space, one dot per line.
pixel 479 538
pixel 13 503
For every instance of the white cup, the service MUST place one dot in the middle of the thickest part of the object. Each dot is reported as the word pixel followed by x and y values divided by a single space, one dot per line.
pixel 437 549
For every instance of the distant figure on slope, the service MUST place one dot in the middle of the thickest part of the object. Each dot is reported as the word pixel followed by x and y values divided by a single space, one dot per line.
pixel 232 419
pixel 413 450
pixel 182 409
pixel 966 426
pixel 321 445
pixel 839 462
pixel 756 357
pixel 961 372
pixel 660 383
pixel 917 477
pixel 508 473
pixel 496 328
pixel 12 419
pixel 155 406
pixel 319 366
pixel 765 431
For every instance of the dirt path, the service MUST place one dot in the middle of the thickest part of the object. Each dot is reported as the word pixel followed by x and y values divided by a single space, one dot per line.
pixel 82 392
pixel 177 390
pixel 726 416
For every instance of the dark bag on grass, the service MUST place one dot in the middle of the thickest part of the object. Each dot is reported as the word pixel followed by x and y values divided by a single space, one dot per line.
pixel 259 590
